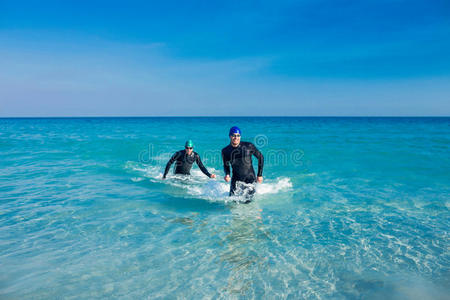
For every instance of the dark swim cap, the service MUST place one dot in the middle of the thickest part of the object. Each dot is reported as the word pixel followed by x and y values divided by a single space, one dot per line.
pixel 234 130
pixel 189 143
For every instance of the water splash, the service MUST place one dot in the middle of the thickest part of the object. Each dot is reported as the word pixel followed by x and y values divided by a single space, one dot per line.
pixel 199 186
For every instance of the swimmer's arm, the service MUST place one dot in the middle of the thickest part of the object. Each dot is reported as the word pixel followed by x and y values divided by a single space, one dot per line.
pixel 260 158
pixel 226 166
pixel 201 166
pixel 169 163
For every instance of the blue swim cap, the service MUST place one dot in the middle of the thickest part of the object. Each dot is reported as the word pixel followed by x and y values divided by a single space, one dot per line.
pixel 234 130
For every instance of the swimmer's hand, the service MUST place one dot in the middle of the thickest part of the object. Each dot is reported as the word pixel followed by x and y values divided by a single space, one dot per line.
pixel 227 178
pixel 259 179
pixel 212 176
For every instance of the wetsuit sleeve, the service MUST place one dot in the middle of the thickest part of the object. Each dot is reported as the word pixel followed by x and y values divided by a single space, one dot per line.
pixel 260 158
pixel 201 166
pixel 226 163
pixel 169 163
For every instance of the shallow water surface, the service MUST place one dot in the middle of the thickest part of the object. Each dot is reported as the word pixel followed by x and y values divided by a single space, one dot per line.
pixel 350 208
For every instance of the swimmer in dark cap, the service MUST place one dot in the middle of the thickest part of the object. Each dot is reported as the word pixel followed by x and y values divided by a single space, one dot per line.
pixel 184 161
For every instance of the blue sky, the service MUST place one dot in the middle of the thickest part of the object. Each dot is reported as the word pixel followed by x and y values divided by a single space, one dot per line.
pixel 303 58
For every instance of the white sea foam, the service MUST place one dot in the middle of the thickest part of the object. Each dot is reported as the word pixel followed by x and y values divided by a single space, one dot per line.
pixel 146 171
pixel 137 179
pixel 274 186
pixel 200 186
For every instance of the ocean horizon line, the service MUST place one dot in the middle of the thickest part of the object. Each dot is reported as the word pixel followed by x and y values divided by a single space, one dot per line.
pixel 243 116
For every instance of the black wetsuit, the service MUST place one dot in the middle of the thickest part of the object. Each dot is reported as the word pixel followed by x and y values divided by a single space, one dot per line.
pixel 240 158
pixel 184 163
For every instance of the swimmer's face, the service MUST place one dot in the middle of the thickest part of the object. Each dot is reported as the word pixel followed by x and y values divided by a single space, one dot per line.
pixel 235 139
pixel 189 150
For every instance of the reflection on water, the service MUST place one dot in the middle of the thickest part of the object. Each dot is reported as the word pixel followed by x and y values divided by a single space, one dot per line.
pixel 188 221
pixel 243 246
pixel 238 242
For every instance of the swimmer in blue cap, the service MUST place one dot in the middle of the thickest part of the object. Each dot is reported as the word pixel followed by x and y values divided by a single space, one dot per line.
pixel 238 155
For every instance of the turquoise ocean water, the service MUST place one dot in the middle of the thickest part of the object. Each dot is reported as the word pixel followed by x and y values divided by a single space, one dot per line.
pixel 350 208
